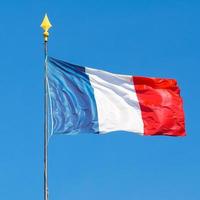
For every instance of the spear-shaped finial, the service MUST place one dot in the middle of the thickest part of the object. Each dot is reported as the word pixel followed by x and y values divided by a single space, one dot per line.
pixel 46 25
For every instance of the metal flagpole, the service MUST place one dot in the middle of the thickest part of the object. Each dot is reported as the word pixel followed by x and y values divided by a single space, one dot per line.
pixel 45 25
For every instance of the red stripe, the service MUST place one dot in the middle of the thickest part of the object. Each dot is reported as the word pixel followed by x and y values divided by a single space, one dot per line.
pixel 161 106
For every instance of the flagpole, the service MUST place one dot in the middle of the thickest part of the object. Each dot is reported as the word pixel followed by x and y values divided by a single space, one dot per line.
pixel 45 25
pixel 45 126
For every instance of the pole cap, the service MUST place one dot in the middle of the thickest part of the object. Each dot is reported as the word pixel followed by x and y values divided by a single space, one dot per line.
pixel 46 25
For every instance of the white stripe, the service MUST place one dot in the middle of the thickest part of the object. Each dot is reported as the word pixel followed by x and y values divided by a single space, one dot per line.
pixel 117 103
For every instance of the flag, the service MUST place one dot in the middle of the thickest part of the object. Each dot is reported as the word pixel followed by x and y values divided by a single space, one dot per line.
pixel 87 100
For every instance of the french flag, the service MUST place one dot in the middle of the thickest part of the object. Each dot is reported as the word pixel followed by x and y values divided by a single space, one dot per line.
pixel 86 100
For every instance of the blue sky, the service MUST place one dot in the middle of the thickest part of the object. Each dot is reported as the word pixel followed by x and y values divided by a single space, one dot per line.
pixel 149 38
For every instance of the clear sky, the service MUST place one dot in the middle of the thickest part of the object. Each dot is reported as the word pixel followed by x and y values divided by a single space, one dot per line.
pixel 144 37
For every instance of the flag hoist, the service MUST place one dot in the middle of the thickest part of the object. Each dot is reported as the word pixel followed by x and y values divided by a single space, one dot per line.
pixel 46 25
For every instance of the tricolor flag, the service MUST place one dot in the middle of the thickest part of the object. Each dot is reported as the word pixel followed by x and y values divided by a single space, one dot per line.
pixel 86 100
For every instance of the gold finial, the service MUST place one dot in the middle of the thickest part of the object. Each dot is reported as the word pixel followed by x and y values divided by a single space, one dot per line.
pixel 46 25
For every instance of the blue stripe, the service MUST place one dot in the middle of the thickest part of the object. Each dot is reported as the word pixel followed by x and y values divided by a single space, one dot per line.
pixel 72 100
